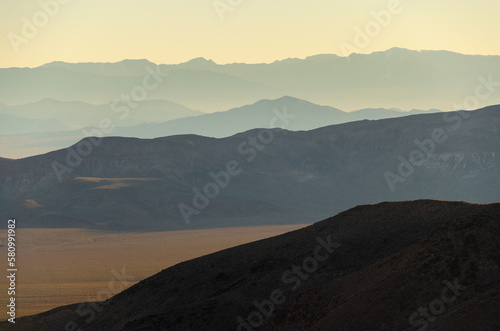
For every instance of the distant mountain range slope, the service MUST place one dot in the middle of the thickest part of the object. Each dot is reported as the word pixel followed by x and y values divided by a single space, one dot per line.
pixel 390 266
pixel 256 177
pixel 197 89
pixel 11 124
pixel 394 78
pixel 295 115
pixel 76 115
pixel 157 118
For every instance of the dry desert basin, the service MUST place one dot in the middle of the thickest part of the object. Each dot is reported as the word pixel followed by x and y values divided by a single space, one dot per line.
pixel 63 266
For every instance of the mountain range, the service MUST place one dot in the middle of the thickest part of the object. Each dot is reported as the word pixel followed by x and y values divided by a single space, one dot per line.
pixel 397 77
pixel 53 124
pixel 136 146
pixel 261 176
pixel 298 115
pixel 75 115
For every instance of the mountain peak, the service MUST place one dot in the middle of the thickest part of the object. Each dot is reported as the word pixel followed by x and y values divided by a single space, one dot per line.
pixel 322 58
pixel 284 99
pixel 400 50
pixel 49 101
pixel 136 61
pixel 54 64
pixel 290 98
pixel 200 61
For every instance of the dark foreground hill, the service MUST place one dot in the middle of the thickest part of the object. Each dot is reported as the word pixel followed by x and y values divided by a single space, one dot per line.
pixel 391 266
pixel 256 177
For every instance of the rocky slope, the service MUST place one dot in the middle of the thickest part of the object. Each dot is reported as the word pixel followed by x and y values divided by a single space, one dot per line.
pixel 391 266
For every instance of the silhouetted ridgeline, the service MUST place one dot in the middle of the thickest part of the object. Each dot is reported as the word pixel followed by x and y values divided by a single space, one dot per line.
pixel 390 266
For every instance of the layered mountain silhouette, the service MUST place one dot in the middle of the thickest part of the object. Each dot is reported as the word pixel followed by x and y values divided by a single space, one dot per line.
pixel 392 266
pixel 75 115
pixel 262 176
pixel 11 124
pixel 193 88
pixel 300 115
pixel 48 125
pixel 395 78
pixel 158 118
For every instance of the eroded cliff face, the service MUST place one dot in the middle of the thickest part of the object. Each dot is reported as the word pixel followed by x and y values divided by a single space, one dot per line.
pixel 259 176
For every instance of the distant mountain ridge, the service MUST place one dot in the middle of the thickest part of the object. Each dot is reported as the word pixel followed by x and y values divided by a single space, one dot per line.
pixel 397 77
pixel 277 175
pixel 302 115
pixel 158 118
pixel 79 114
pixel 11 124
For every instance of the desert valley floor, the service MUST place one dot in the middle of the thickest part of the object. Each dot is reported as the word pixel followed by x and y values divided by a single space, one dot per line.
pixel 57 267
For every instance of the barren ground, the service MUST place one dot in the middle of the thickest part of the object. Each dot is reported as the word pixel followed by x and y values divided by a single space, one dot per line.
pixel 63 266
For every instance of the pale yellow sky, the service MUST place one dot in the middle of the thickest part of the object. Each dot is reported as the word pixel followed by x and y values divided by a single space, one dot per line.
pixel 173 31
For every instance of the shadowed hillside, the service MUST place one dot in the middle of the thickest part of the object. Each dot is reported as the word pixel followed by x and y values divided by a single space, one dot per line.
pixel 371 267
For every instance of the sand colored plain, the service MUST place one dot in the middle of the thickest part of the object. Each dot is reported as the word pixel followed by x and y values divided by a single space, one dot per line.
pixel 63 266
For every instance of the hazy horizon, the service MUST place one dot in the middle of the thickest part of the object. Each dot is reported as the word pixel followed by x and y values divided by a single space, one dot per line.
pixel 236 62
pixel 244 31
